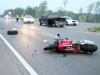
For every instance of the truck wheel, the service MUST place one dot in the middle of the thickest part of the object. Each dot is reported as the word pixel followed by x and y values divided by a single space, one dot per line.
pixel 50 25
pixel 89 48
pixel 40 23
pixel 61 26
pixel 54 46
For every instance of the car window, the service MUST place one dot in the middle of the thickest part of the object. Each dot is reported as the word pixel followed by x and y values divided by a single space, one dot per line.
pixel 68 18
pixel 28 16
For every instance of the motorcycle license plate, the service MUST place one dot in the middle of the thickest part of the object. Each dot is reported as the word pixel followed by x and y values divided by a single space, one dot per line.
pixel 69 48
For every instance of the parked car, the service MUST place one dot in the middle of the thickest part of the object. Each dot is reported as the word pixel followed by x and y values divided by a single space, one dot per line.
pixel 28 19
pixel 70 21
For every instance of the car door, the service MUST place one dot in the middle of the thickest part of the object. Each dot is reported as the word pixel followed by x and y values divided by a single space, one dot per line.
pixel 44 19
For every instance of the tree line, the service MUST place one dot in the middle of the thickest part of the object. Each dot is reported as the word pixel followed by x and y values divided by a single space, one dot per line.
pixel 92 14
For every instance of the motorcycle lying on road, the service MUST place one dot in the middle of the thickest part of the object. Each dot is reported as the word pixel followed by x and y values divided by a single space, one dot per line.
pixel 67 45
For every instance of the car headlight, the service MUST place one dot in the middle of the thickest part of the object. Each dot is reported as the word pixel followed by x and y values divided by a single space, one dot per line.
pixel 32 20
pixel 77 22
pixel 25 19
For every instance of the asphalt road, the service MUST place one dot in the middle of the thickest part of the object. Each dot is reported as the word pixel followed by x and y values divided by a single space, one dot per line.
pixel 29 44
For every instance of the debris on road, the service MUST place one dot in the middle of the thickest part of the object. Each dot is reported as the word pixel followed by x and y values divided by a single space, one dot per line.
pixel 12 31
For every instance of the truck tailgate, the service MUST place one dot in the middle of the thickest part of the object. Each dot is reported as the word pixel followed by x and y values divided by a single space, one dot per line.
pixel 60 23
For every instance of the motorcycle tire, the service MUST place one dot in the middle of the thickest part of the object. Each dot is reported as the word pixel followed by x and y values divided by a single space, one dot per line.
pixel 89 48
pixel 54 46
pixel 12 32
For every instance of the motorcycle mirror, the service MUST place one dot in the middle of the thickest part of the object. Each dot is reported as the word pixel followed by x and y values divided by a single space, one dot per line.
pixel 45 41
pixel 66 38
pixel 58 35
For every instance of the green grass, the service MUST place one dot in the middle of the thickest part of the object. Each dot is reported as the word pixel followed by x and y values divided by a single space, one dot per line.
pixel 36 20
pixel 94 29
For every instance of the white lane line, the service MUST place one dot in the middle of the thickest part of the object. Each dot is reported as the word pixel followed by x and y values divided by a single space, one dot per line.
pixel 49 34
pixel 25 64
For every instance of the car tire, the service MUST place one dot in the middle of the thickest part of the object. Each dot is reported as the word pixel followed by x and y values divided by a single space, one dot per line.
pixel 89 48
pixel 66 23
pixel 54 46
pixel 12 32
pixel 74 24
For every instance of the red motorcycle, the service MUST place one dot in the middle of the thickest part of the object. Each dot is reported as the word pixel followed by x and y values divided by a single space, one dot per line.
pixel 66 45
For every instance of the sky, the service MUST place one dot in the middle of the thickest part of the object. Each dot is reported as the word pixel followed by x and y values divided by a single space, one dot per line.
pixel 72 5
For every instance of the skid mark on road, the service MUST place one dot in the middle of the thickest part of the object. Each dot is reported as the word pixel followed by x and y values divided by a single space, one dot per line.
pixel 25 64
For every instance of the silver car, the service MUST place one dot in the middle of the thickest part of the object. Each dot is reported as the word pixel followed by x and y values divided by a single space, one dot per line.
pixel 28 19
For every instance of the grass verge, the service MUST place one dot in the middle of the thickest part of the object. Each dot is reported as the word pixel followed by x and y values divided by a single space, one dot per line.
pixel 94 29
pixel 36 20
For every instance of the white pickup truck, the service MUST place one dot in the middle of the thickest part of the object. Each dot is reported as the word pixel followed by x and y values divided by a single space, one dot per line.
pixel 70 21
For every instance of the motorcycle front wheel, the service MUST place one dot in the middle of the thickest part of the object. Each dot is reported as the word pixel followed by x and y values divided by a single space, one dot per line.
pixel 51 47
pixel 89 48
